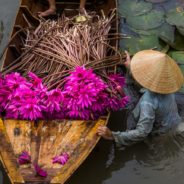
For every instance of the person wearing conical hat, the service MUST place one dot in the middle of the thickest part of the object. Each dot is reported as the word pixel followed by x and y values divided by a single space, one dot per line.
pixel 156 111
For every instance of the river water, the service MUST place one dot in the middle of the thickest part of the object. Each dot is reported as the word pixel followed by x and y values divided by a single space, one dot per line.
pixel 155 161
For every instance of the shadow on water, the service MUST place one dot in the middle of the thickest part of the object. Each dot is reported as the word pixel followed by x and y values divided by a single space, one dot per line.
pixel 157 160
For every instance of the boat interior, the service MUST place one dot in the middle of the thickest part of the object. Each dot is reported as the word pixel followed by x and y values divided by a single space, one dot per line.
pixel 27 17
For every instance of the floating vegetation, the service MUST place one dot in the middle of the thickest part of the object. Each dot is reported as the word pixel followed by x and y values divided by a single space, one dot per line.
pixel 157 24
pixel 150 20
pixel 178 56
pixel 176 17
pixel 165 23
pixel 134 8
pixel 135 44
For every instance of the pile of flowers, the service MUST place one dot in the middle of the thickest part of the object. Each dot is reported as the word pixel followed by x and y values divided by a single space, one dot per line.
pixel 83 96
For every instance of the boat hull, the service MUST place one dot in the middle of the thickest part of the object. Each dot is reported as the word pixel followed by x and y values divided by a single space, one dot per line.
pixel 46 139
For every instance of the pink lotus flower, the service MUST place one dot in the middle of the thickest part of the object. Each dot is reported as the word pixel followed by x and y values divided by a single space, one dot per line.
pixel 12 112
pixel 4 95
pixel 24 158
pixel 37 85
pixel 40 171
pixel 35 81
pixel 53 101
pixel 81 92
pixel 118 79
pixel 61 159
pixel 124 101
pixel 85 96
pixel 31 110
pixel 14 81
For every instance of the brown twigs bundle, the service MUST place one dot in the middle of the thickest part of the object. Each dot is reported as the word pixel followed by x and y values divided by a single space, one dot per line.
pixel 56 47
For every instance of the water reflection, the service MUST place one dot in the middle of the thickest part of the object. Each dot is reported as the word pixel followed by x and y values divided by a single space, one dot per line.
pixel 158 159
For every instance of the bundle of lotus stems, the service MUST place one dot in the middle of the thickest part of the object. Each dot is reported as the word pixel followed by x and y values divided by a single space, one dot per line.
pixel 55 48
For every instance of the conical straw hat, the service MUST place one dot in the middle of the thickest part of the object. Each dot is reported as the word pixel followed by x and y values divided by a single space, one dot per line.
pixel 156 71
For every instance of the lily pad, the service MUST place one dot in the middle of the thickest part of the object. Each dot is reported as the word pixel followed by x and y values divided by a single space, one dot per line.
pixel 134 7
pixel 156 1
pixel 150 20
pixel 181 30
pixel 165 32
pixel 178 56
pixel 126 30
pixel 178 43
pixel 135 44
pixel 176 17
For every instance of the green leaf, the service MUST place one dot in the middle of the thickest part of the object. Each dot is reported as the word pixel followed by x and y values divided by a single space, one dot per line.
pixel 178 56
pixel 135 44
pixel 134 7
pixel 178 42
pixel 150 20
pixel 165 32
pixel 176 17
pixel 181 30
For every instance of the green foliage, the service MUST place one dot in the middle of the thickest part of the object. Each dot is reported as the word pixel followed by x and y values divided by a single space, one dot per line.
pixel 181 30
pixel 178 56
pixel 134 7
pixel 150 20
pixel 135 44
pixel 175 17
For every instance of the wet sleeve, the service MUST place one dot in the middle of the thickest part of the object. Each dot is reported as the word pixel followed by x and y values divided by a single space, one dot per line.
pixel 143 128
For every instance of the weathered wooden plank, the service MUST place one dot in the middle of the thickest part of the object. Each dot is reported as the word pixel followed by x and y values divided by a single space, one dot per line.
pixel 78 145
pixel 8 157
pixel 19 133
pixel 28 172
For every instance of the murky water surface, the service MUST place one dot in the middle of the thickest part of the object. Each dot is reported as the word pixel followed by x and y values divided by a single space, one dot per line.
pixel 156 161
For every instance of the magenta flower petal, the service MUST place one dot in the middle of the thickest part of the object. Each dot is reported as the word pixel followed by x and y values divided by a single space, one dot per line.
pixel 61 159
pixel 118 79
pixel 24 158
pixel 40 171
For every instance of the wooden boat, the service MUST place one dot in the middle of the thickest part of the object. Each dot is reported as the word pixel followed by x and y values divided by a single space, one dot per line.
pixel 46 139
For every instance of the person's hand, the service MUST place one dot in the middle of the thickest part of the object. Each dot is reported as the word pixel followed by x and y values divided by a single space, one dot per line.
pixel 128 60
pixel 105 132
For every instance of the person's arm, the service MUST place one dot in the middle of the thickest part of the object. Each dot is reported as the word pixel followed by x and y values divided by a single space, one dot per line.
pixel 143 128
